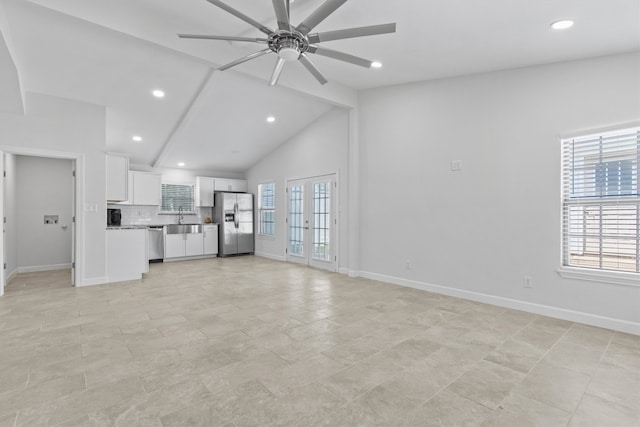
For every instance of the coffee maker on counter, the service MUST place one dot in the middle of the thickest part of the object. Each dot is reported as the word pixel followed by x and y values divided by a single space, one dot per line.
pixel 114 217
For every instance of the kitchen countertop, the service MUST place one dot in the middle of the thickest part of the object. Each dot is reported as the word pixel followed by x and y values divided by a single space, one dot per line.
pixel 127 227
pixel 136 227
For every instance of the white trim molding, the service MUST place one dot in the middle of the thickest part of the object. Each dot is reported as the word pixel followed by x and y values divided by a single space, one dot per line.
pixel 35 268
pixel 613 277
pixel 93 281
pixel 544 310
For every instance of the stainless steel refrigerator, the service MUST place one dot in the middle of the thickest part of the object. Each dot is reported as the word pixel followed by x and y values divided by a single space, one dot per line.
pixel 234 213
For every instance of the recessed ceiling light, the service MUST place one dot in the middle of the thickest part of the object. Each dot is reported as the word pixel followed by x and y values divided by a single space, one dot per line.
pixel 271 119
pixel 136 138
pixel 181 164
pixel 562 24
pixel 158 93
pixel 376 64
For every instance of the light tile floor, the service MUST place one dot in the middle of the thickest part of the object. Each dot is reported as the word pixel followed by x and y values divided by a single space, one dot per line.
pixel 248 341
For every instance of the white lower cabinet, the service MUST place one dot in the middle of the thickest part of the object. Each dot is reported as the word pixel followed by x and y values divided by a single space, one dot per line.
pixel 181 245
pixel 193 244
pixel 210 237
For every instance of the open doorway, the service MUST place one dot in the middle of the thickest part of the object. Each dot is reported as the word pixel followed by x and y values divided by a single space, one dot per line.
pixel 38 237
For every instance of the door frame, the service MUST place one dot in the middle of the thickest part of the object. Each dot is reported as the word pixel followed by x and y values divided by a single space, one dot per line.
pixel 77 257
pixel 336 214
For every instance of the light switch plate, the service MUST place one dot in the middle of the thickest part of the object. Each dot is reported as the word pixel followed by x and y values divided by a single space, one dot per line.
pixel 456 165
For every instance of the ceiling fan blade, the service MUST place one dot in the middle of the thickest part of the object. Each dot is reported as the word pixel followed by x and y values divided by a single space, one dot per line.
pixel 341 56
pixel 282 13
pixel 245 59
pixel 348 33
pixel 241 15
pixel 231 39
pixel 312 68
pixel 319 15
pixel 276 72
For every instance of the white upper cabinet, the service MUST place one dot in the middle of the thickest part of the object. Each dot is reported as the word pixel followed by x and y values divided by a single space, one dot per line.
pixel 117 177
pixel 234 185
pixel 144 189
pixel 147 188
pixel 205 187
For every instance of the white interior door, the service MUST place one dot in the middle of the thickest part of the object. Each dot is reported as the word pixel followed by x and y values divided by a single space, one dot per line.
pixel 311 222
pixel 3 243
pixel 73 225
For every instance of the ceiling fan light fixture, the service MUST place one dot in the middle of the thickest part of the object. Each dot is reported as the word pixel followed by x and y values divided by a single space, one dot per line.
pixel 288 48
pixel 289 54
pixel 295 43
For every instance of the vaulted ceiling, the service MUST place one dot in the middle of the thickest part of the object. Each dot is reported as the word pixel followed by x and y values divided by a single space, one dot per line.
pixel 116 52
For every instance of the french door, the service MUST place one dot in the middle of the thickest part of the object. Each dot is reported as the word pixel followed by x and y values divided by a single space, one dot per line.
pixel 311 222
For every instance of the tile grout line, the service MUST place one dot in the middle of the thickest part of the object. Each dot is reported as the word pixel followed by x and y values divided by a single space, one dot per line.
pixel 591 379
pixel 538 362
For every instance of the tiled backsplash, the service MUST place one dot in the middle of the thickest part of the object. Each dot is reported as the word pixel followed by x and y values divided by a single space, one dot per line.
pixel 148 215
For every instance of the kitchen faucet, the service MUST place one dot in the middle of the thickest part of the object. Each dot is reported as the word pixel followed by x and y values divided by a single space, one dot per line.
pixel 180 215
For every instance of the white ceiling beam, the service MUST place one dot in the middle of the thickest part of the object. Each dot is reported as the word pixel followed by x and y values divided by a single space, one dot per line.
pixel 198 100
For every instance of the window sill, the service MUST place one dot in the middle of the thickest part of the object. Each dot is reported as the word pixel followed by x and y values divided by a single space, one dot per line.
pixel 612 277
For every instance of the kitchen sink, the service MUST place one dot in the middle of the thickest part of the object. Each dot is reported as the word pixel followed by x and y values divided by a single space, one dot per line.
pixel 183 228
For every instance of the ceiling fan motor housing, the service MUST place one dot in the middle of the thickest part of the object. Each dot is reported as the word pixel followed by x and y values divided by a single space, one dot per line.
pixel 289 45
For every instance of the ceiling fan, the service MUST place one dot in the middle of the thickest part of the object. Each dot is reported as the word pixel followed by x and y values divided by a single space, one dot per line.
pixel 292 43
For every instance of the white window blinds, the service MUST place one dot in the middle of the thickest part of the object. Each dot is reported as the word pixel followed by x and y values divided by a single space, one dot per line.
pixel 176 197
pixel 600 201
pixel 267 208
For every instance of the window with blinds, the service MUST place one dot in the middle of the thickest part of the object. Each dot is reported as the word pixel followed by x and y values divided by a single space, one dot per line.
pixel 176 197
pixel 601 221
pixel 267 208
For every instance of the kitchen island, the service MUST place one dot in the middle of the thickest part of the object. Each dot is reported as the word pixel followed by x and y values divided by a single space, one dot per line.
pixel 127 253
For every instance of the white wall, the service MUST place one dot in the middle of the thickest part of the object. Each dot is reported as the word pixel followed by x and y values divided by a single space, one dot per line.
pixel 56 127
pixel 322 148
pixel 480 230
pixel 43 187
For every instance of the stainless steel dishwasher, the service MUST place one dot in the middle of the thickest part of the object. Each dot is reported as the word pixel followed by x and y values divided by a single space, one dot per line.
pixel 156 243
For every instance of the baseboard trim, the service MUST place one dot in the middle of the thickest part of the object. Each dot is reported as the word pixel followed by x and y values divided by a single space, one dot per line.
pixel 10 276
pixel 36 268
pixel 270 256
pixel 127 278
pixel 544 310
pixel 350 273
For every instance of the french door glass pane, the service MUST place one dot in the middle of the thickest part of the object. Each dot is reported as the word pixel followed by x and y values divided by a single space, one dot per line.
pixel 296 220
pixel 322 221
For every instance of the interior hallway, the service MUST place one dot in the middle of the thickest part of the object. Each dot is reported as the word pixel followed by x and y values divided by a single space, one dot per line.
pixel 250 341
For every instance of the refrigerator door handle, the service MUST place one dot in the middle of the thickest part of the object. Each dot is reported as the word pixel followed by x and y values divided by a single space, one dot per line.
pixel 235 215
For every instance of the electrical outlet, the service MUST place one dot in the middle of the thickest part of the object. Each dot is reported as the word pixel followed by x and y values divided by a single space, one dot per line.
pixel 407 264
pixel 527 281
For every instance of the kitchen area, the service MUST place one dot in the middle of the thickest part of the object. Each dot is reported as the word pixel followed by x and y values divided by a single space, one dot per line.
pixel 154 217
